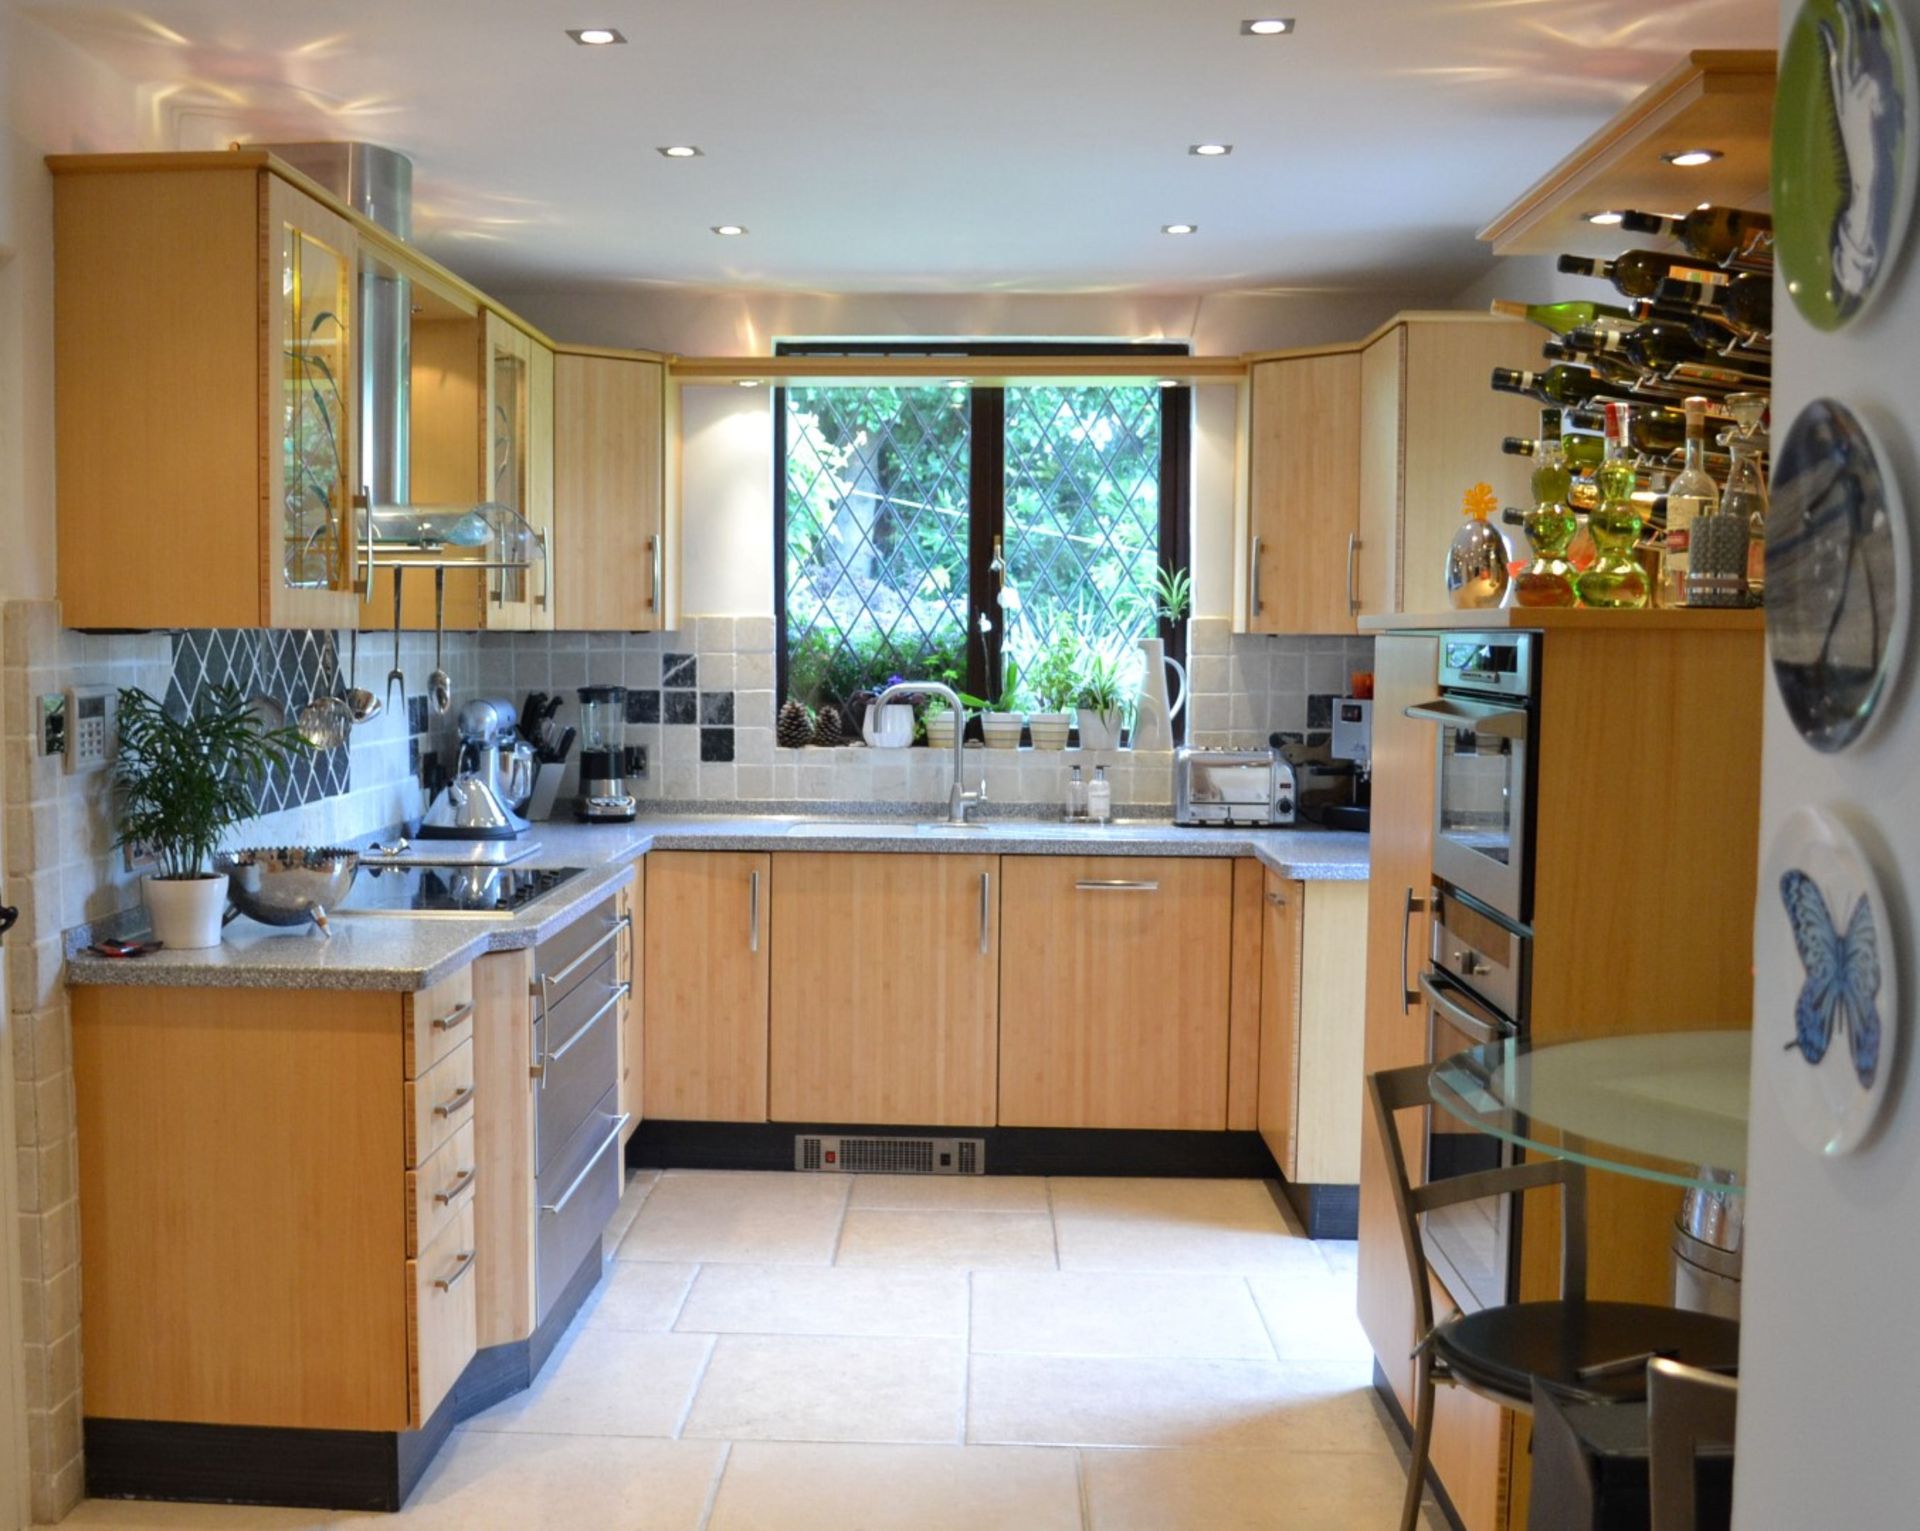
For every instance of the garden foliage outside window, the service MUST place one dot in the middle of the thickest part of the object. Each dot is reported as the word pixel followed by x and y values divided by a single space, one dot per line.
pixel 973 535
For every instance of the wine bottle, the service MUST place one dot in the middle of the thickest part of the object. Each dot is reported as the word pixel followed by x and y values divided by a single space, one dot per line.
pixel 1639 273
pixel 1692 494
pixel 1746 302
pixel 1560 384
pixel 1717 234
pixel 1561 317
pixel 1665 357
pixel 1581 451
pixel 1616 579
pixel 1653 429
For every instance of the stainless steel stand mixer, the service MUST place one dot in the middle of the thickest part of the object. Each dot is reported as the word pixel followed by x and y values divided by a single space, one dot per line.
pixel 493 780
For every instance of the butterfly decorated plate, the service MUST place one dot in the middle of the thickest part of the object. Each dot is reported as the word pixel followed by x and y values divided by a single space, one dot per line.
pixel 1827 1037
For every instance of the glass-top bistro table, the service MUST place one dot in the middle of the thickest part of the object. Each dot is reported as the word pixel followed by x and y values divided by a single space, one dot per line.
pixel 1670 1107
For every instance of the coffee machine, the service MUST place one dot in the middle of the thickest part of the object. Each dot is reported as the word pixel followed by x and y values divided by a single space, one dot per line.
pixel 604 798
pixel 493 778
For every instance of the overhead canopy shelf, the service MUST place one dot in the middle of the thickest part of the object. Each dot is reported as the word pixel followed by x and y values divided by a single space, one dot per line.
pixel 987 371
pixel 1711 100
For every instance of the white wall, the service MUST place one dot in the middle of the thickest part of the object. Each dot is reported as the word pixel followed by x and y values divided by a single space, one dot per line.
pixel 1830 1344
pixel 728 466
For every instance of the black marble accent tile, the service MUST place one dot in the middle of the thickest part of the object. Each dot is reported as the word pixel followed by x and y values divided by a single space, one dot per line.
pixel 1320 709
pixel 289 669
pixel 716 745
pixel 716 707
pixel 643 706
pixel 679 670
pixel 681 707
pixel 413 756
pixel 417 715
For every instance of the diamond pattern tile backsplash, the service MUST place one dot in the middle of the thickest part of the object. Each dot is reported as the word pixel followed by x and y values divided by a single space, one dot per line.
pixel 288 669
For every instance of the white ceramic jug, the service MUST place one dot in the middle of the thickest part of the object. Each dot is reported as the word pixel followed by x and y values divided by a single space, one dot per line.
pixel 889 727
pixel 1152 716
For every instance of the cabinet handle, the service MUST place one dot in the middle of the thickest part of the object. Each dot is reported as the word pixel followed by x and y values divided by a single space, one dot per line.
pixel 463 1267
pixel 1253 598
pixel 545 539
pixel 1413 906
pixel 753 912
pixel 366 500
pixel 1116 885
pixel 1353 555
pixel 986 904
pixel 453 1017
pixel 454 1103
pixel 653 573
pixel 460 1183
pixel 558 1206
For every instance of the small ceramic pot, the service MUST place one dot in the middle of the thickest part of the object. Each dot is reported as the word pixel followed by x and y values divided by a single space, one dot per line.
pixel 1100 730
pixel 187 913
pixel 1002 729
pixel 940 729
pixel 1050 729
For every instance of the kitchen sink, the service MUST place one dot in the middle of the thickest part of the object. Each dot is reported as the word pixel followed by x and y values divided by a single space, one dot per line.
pixel 896 829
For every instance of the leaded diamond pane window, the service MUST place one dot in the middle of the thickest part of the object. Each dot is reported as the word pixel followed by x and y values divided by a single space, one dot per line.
pixel 876 537
pixel 1082 535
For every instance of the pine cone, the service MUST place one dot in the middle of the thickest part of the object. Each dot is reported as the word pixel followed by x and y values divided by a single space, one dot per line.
pixel 827 728
pixel 794 729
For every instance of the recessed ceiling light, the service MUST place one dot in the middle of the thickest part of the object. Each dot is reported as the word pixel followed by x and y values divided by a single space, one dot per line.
pixel 680 151
pixel 1267 26
pixel 747 382
pixel 728 230
pixel 1210 151
pixel 956 382
pixel 1688 158
pixel 1605 220
pixel 1169 382
pixel 594 37
pixel 1179 228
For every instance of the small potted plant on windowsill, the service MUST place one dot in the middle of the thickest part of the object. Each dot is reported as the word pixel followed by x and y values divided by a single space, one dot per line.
pixel 182 783
pixel 1001 719
pixel 940 723
pixel 1099 700
pixel 1053 685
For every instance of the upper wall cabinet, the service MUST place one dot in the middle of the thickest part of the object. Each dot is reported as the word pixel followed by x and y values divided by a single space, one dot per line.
pixel 1304 494
pixel 519 380
pixel 611 560
pixel 205 325
pixel 1431 428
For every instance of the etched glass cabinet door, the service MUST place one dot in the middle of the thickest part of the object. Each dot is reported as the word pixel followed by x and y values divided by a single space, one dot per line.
pixel 509 384
pixel 310 390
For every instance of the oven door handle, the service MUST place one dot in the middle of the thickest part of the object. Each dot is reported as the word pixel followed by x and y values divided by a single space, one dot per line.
pixel 1476 717
pixel 1497 1030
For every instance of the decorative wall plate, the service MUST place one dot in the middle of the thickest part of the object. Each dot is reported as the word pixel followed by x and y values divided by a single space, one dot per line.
pixel 1829 1040
pixel 1843 155
pixel 1839 567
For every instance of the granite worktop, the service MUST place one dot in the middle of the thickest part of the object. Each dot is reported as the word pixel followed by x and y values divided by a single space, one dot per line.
pixel 405 954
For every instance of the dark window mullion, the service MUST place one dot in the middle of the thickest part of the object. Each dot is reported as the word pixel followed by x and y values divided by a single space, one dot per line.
pixel 780 678
pixel 1176 478
pixel 986 520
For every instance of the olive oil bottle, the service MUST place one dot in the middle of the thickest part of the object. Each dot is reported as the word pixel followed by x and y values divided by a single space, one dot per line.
pixel 1616 579
pixel 1550 525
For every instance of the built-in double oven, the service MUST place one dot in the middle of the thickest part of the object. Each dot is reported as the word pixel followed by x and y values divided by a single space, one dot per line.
pixel 1474 987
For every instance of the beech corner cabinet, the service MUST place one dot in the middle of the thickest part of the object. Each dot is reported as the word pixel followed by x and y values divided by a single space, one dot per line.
pixel 208 339
pixel 1357 461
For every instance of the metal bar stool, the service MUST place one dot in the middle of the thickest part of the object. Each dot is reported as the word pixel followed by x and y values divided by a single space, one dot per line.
pixel 1687 1409
pixel 1591 1350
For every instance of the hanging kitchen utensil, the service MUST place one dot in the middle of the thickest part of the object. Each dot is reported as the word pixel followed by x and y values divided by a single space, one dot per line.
pixel 324 722
pixel 364 705
pixel 396 673
pixel 439 686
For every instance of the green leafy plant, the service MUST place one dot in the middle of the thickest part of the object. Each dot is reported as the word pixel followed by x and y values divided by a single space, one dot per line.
pixel 1009 698
pixel 1172 594
pixel 1101 689
pixel 184 781
pixel 1055 680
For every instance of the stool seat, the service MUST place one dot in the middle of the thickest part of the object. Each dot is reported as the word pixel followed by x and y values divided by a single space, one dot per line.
pixel 1502 1350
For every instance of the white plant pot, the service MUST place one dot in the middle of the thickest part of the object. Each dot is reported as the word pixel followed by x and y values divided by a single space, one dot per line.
pixel 1002 729
pixel 186 913
pixel 940 730
pixel 1050 729
pixel 1100 730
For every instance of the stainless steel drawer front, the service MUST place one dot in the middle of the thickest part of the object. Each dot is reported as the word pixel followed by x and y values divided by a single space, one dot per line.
pixel 568 957
pixel 577 1047
pixel 575 1197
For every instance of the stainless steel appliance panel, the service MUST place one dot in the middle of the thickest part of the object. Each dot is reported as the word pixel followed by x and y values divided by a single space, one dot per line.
pixel 1245 787
pixel 574 1198
pixel 576 1042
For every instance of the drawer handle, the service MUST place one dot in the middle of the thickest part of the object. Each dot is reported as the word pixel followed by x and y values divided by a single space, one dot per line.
pixel 579 1180
pixel 463 1267
pixel 460 1184
pixel 615 993
pixel 542 982
pixel 448 1107
pixel 453 1017
pixel 1115 885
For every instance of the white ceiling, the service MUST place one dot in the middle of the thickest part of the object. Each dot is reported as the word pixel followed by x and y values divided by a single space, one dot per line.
pixel 912 145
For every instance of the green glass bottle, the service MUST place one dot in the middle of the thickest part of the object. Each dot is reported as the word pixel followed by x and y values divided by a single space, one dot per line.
pixel 1550 525
pixel 1562 317
pixel 1616 579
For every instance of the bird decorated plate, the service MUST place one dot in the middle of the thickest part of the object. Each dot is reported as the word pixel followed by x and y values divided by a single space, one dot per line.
pixel 1843 155
pixel 1838 571
pixel 1828 1037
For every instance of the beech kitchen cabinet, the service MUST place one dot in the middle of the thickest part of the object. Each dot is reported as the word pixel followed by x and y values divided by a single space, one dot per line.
pixel 906 1032
pixel 1114 984
pixel 1304 494
pixel 610 558
pixel 704 979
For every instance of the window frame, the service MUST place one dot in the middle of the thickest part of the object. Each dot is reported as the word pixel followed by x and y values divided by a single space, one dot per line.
pixel 987 483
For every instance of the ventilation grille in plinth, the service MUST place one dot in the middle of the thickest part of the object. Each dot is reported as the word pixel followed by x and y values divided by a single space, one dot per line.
pixel 890 1156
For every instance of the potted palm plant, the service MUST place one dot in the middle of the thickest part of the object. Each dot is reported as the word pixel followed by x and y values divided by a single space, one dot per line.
pixel 183 781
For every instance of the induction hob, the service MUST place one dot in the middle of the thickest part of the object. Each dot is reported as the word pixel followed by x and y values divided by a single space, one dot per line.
pixel 463 893
pixel 398 851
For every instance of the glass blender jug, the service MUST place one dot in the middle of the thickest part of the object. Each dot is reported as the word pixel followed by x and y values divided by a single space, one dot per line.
pixel 604 796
